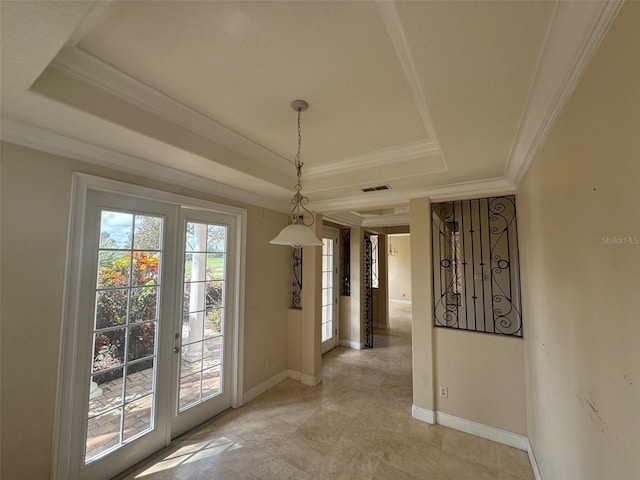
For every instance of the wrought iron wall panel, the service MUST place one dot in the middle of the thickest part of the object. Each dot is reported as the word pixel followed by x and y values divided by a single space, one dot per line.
pixel 368 292
pixel 345 262
pixel 296 273
pixel 375 281
pixel 476 277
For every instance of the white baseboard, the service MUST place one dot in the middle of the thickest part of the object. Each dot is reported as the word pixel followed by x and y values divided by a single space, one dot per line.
pixel 394 300
pixel 505 437
pixel 423 414
pixel 534 463
pixel 264 386
pixel 310 380
pixel 350 344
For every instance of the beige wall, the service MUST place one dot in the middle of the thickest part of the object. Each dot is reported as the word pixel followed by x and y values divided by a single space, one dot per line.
pixel 484 373
pixel 380 298
pixel 400 267
pixel 352 324
pixel 344 326
pixel 581 294
pixel 35 199
pixel 294 355
pixel 484 376
pixel 422 305
pixel 311 327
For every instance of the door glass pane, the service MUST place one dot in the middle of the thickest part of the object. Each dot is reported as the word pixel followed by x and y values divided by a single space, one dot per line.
pixel 111 394
pixel 213 322
pixel 141 342
pixel 139 381
pixel 190 391
pixel 327 288
pixel 122 394
pixel 103 433
pixel 137 417
pixel 211 381
pixel 203 313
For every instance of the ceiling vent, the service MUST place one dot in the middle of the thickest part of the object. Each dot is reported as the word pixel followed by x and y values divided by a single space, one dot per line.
pixel 376 189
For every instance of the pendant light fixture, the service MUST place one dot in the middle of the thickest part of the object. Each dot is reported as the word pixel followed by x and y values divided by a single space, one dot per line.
pixel 298 233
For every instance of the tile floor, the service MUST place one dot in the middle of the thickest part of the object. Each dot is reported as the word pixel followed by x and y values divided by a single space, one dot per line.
pixel 356 425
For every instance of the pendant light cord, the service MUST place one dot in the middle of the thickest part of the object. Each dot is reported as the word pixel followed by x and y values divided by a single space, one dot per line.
pixel 299 214
pixel 299 163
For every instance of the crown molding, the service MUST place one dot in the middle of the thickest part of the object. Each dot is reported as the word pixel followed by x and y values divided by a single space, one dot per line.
pixel 51 142
pixel 57 144
pixel 94 16
pixel 457 191
pixel 90 69
pixel 80 64
pixel 575 33
pixel 398 38
pixel 387 220
pixel 343 218
pixel 385 156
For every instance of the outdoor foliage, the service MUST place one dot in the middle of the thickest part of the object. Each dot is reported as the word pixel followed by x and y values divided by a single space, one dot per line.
pixel 213 304
pixel 114 276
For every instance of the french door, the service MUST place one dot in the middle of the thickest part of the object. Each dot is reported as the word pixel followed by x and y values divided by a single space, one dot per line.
pixel 202 384
pixel 153 340
pixel 329 289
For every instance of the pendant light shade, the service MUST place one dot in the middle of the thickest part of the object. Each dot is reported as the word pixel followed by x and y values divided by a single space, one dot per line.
pixel 298 233
pixel 297 236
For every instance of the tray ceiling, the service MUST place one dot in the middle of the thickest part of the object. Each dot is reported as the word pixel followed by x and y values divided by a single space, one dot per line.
pixel 432 98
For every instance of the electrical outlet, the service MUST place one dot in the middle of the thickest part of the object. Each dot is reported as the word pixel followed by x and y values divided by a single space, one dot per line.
pixel 444 391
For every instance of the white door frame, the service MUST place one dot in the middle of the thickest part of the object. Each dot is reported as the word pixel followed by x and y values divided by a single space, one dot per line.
pixel 184 420
pixel 334 233
pixel 80 186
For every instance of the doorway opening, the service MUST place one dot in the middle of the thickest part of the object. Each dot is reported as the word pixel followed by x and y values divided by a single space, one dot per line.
pixel 399 278
pixel 152 324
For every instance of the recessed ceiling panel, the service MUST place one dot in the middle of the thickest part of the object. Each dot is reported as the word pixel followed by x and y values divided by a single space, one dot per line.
pixel 476 62
pixel 241 64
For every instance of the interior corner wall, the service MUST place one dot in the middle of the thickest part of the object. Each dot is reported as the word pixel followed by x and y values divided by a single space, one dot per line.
pixel 311 333
pixel 484 374
pixel 484 377
pixel 355 329
pixel 400 268
pixel 381 294
pixel 1 146
pixel 422 304
pixel 579 222
pixel 344 324
pixel 35 197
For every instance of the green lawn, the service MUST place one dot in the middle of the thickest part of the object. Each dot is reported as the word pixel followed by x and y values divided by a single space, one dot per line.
pixel 215 265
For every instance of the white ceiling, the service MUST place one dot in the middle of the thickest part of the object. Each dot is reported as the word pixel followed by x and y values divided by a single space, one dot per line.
pixel 439 99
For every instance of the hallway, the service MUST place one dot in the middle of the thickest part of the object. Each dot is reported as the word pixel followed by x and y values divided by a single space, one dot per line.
pixel 356 424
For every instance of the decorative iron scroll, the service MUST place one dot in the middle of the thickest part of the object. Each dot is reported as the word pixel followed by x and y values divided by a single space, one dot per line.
pixel 296 291
pixel 375 282
pixel 476 276
pixel 345 262
pixel 368 292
